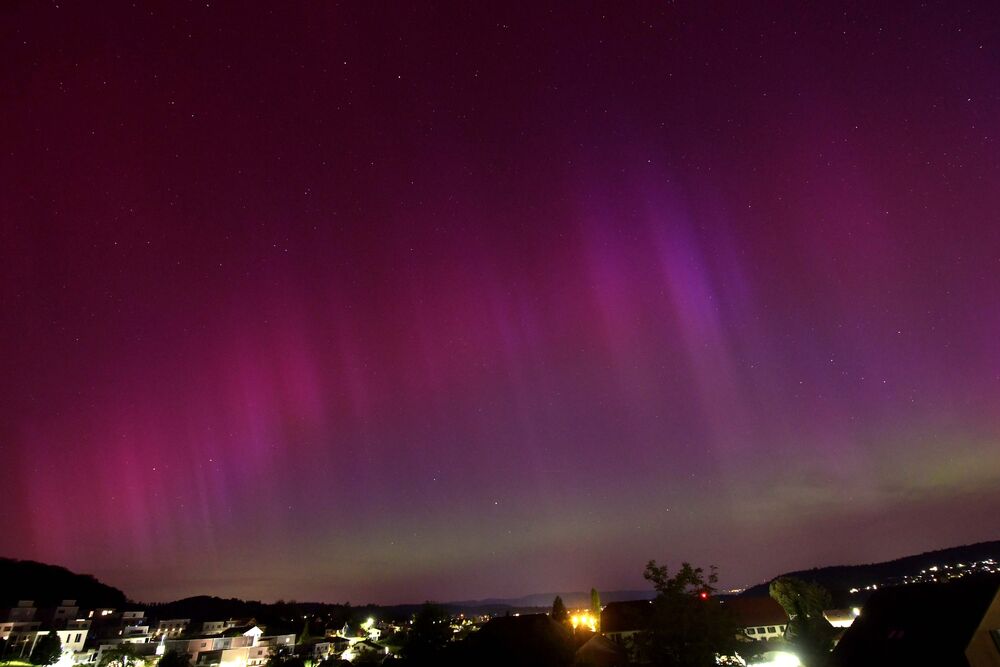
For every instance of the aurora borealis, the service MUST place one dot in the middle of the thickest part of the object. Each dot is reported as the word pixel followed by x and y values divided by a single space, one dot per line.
pixel 402 301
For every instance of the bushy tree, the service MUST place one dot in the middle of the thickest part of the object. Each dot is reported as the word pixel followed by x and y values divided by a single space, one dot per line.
pixel 282 656
pixel 123 655
pixel 533 640
pixel 429 634
pixel 559 613
pixel 687 627
pixel 305 636
pixel 808 630
pixel 174 659
pixel 368 658
pixel 48 650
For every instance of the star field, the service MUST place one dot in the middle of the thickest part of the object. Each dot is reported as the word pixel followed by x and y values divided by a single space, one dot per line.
pixel 340 301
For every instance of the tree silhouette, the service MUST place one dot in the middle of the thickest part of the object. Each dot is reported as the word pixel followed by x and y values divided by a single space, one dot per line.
pixel 174 659
pixel 282 656
pixel 304 636
pixel 687 627
pixel 428 635
pixel 123 655
pixel 808 630
pixel 48 650
pixel 595 602
pixel 559 613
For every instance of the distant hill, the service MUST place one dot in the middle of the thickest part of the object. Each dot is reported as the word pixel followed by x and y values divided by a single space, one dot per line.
pixel 208 608
pixel 544 600
pixel 48 585
pixel 278 618
pixel 841 578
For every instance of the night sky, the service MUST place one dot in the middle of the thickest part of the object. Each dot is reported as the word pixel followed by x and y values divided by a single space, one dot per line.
pixel 394 301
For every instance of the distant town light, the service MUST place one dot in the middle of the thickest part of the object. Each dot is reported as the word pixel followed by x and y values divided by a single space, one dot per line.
pixel 584 620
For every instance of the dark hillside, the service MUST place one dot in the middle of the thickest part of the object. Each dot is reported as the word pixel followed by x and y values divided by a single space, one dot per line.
pixel 47 585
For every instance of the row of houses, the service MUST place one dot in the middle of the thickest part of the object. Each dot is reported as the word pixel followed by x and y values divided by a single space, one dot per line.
pixel 757 618
pixel 24 624
pixel 86 635
pixel 947 624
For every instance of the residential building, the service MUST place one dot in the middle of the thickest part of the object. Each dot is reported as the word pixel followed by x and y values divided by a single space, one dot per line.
pixel 73 639
pixel 315 650
pixel 9 627
pixel 245 656
pixel 621 621
pixel 110 624
pixel 66 611
pixel 528 640
pixel 278 641
pixel 218 627
pixel 364 649
pixel 338 644
pixel 248 649
pixel 601 651
pixel 174 627
pixel 146 651
pixel 954 624
pixel 21 642
pixel 757 618
pixel 24 611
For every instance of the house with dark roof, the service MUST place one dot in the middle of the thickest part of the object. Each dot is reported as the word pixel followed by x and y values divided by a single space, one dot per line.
pixel 601 651
pixel 364 648
pixel 527 640
pixel 757 618
pixel 314 649
pixel 338 643
pixel 209 628
pixel 954 624
pixel 173 627
pixel 622 620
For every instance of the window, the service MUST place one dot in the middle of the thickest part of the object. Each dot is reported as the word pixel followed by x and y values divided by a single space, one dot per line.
pixel 770 628
pixel 78 635
pixel 751 631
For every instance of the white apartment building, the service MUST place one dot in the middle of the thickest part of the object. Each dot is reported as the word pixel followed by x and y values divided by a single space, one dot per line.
pixel 174 627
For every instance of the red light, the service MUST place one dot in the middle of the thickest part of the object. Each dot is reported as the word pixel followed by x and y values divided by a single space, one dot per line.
pixel 703 595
